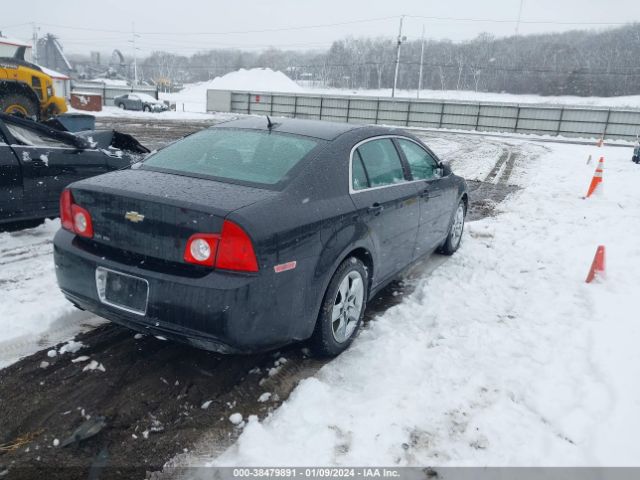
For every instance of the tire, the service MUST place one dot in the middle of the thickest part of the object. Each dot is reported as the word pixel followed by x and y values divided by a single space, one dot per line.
pixel 122 106
pixel 332 335
pixel 146 108
pixel 18 104
pixel 452 243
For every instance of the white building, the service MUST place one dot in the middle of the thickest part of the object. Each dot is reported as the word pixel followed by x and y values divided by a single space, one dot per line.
pixel 61 82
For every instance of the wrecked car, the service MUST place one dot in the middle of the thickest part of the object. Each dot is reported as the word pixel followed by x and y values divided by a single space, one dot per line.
pixel 37 162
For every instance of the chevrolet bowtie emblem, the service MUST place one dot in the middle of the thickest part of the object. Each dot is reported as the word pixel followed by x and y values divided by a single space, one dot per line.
pixel 134 217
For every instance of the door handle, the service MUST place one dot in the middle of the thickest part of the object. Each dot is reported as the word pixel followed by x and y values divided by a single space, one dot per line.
pixel 376 208
pixel 425 194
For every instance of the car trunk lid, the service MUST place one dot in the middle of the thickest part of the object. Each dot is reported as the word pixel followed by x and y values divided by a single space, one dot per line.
pixel 153 214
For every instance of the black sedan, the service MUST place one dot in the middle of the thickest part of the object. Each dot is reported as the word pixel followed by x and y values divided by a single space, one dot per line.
pixel 256 233
pixel 37 162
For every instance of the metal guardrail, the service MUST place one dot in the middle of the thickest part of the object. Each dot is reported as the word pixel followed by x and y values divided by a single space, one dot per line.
pixel 109 92
pixel 554 120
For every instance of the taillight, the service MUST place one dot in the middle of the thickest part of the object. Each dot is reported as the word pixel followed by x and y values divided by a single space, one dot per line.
pixel 73 217
pixel 230 250
pixel 66 218
pixel 201 249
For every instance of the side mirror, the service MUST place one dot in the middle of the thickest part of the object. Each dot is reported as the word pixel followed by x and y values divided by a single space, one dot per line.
pixel 446 169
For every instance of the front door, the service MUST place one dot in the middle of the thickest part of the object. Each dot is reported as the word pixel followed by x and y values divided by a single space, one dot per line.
pixel 387 203
pixel 437 195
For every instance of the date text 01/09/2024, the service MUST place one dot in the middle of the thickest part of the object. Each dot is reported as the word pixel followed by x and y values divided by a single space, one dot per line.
pixel 316 472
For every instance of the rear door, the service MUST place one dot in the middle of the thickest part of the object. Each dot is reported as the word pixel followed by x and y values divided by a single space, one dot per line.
pixel 437 194
pixel 11 191
pixel 386 202
pixel 49 165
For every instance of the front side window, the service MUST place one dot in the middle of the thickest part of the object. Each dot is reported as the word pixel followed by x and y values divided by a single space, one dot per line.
pixel 241 155
pixel 422 165
pixel 381 162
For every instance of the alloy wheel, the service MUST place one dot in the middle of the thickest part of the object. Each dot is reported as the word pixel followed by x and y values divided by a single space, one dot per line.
pixel 458 225
pixel 347 306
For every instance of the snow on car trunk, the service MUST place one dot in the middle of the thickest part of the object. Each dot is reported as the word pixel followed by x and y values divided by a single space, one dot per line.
pixel 503 356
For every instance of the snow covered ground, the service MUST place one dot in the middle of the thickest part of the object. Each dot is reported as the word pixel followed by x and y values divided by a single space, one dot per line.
pixel 168 115
pixel 33 313
pixel 632 101
pixel 502 356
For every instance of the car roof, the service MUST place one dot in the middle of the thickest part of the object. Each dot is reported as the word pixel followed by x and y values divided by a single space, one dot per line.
pixel 310 128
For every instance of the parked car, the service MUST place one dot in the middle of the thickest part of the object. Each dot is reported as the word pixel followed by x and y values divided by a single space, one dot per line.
pixel 250 235
pixel 37 162
pixel 140 101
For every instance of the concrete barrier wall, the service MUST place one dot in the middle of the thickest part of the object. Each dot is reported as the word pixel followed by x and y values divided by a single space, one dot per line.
pixel 563 120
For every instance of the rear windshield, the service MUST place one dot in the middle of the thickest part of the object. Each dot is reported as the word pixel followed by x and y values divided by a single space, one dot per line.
pixel 236 155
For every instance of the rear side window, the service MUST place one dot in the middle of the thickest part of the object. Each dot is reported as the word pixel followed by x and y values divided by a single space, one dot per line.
pixel 360 180
pixel 422 165
pixel 381 162
pixel 241 155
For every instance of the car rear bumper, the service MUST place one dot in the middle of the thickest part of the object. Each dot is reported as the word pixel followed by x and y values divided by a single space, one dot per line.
pixel 218 311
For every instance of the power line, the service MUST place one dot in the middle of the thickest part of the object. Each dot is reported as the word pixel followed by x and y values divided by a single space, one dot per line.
pixel 501 20
pixel 16 25
pixel 228 32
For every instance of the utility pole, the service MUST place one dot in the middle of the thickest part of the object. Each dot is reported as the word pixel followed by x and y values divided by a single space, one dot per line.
pixel 135 53
pixel 519 17
pixel 34 48
pixel 400 40
pixel 421 64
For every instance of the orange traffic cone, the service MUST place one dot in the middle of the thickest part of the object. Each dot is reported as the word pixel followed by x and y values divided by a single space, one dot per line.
pixel 600 141
pixel 597 265
pixel 597 177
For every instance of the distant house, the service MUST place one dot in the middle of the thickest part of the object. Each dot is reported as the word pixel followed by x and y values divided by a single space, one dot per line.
pixel 8 47
pixel 61 82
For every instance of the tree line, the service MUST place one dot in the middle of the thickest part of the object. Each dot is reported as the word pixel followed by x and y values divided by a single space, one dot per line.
pixel 584 63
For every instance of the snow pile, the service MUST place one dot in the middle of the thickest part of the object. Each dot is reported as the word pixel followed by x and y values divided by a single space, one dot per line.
pixel 193 98
pixel 254 79
pixel 502 356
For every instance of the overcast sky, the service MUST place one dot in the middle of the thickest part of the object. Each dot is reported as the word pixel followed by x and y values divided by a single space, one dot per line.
pixel 187 26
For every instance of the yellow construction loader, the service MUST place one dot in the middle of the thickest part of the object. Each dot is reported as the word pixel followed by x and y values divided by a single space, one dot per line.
pixel 26 90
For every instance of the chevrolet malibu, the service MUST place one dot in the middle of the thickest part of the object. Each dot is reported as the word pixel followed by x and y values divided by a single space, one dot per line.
pixel 257 233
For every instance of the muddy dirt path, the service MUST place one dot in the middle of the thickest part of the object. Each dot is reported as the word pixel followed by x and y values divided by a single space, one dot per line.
pixel 154 402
